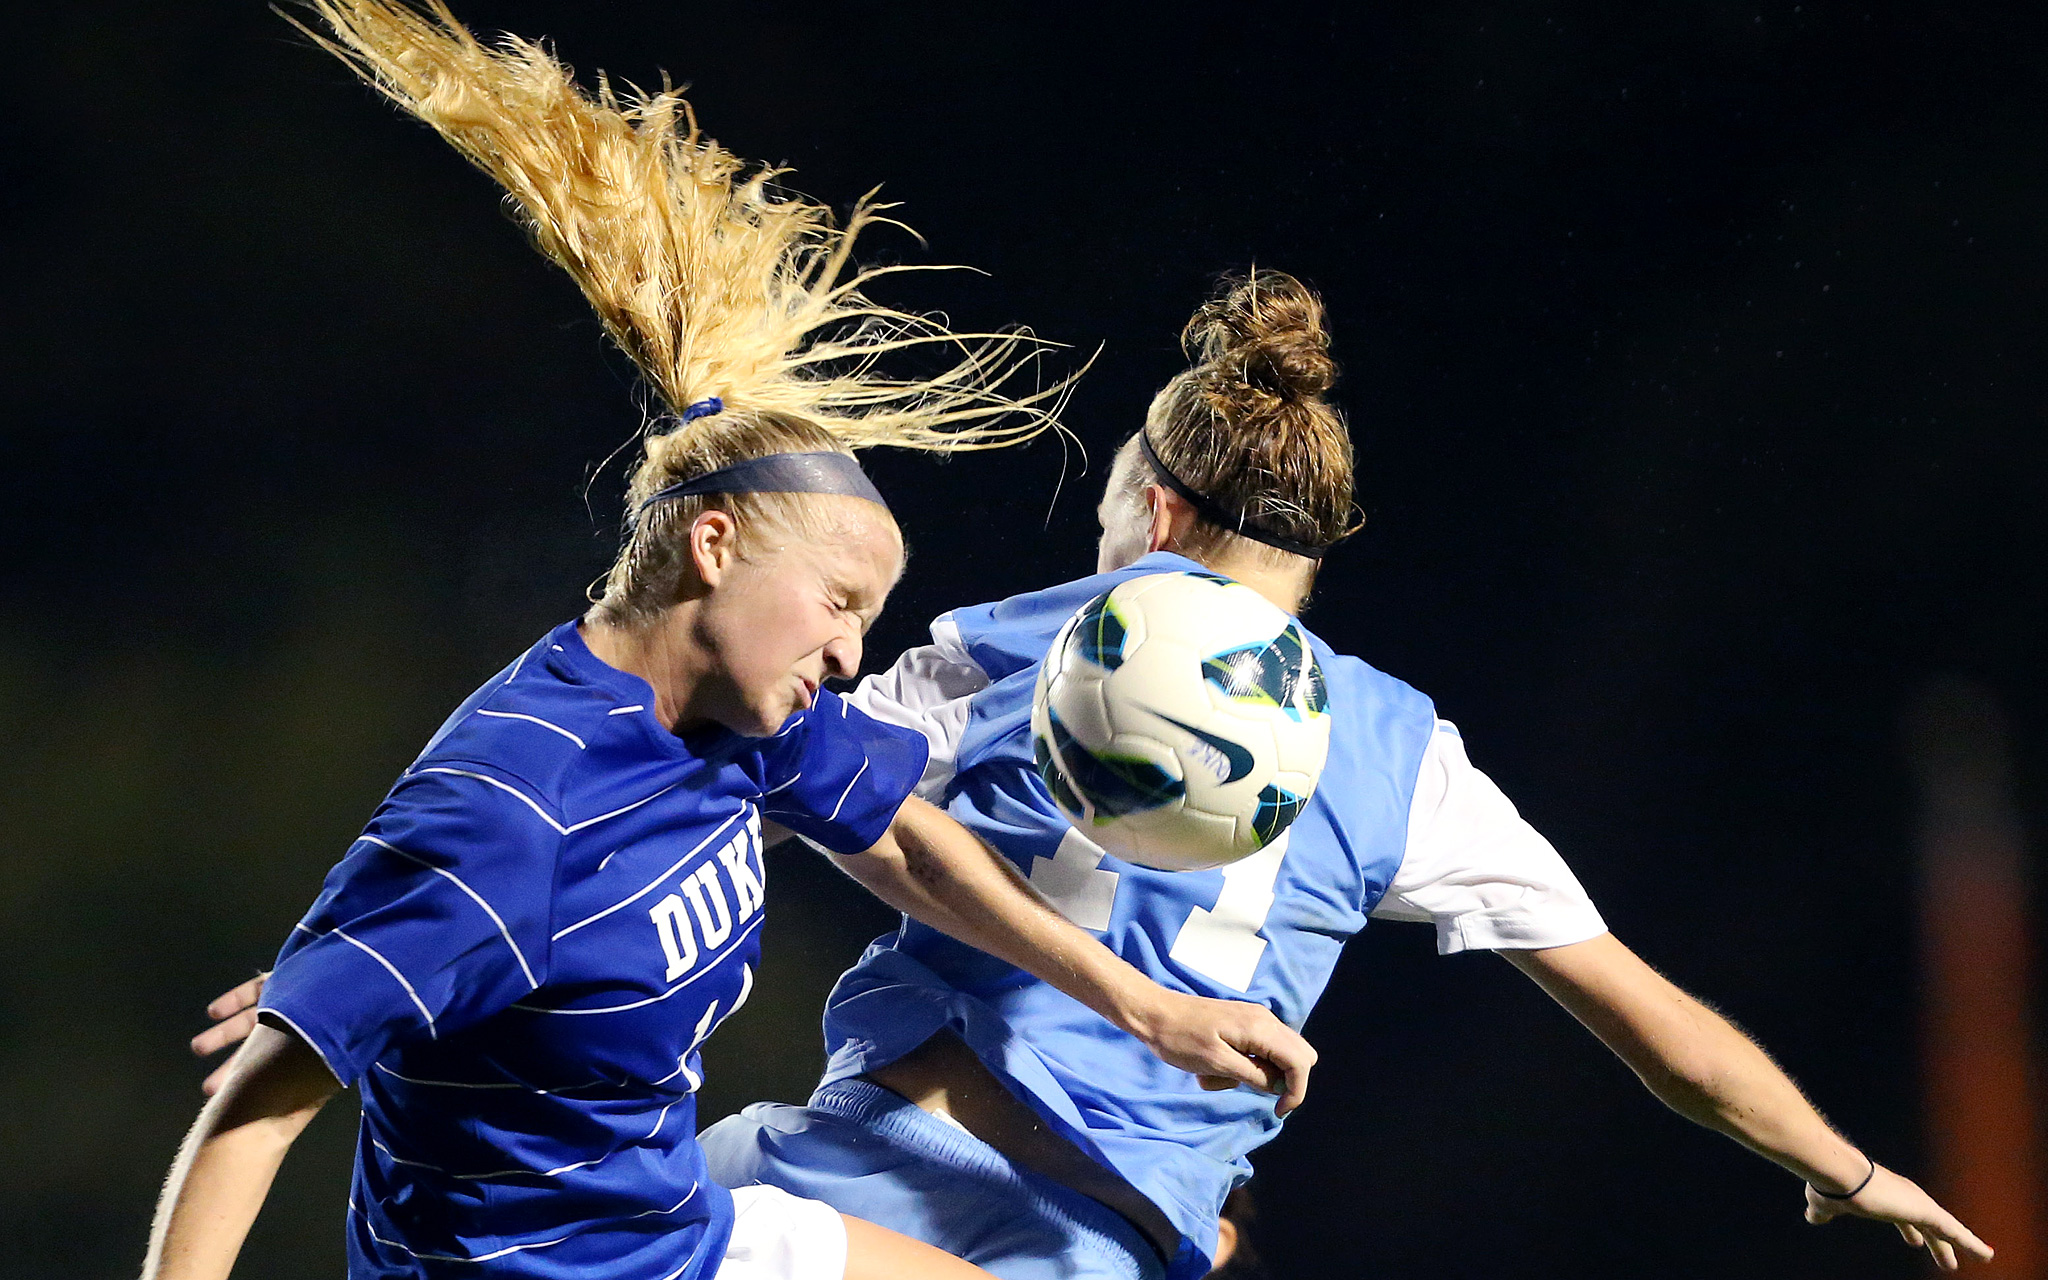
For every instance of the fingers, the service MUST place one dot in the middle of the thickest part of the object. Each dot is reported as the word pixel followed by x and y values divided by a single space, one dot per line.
pixel 1226 1043
pixel 1955 1235
pixel 1283 1059
pixel 1920 1222
pixel 228 1031
pixel 1228 1062
pixel 245 996
pixel 1295 1077
pixel 216 1078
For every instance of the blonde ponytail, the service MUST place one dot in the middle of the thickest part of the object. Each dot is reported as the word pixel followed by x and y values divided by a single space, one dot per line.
pixel 719 284
pixel 714 281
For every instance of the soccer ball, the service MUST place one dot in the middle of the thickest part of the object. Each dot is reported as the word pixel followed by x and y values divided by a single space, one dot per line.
pixel 1180 721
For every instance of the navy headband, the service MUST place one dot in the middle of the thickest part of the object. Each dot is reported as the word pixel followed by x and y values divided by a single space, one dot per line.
pixel 779 473
pixel 1212 511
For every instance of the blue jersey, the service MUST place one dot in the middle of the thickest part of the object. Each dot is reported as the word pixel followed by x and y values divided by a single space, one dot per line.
pixel 1268 928
pixel 519 959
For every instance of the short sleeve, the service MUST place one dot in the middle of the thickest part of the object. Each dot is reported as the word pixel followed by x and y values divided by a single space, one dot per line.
pixel 929 690
pixel 1477 870
pixel 437 918
pixel 853 772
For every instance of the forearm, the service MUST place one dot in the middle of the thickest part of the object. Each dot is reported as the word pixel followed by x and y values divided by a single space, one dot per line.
pixel 1693 1059
pixel 226 1164
pixel 934 871
pixel 937 871
pixel 1712 1074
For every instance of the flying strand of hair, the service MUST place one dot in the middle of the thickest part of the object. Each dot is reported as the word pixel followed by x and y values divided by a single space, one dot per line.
pixel 714 280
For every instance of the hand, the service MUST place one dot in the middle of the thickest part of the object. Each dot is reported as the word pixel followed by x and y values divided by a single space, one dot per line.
pixel 234 1017
pixel 1227 1043
pixel 1900 1201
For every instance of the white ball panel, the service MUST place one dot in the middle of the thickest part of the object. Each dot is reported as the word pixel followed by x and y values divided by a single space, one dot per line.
pixel 1157 705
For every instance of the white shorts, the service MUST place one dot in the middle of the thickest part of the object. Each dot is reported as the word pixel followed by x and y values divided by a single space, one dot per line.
pixel 778 1236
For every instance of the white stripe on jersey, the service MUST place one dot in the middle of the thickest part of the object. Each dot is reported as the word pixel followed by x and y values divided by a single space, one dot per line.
pixel 654 883
pixel 521 715
pixel 373 953
pixel 490 1084
pixel 485 1177
pixel 482 1257
pixel 306 1039
pixel 864 763
pixel 605 817
pixel 528 800
pixel 532 982
pixel 709 966
pixel 534 804
pixel 655 1213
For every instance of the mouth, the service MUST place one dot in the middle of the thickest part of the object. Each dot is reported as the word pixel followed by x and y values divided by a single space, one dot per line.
pixel 810 692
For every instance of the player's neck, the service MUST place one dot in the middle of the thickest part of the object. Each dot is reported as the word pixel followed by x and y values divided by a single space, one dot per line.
pixel 674 671
pixel 1285 585
pixel 1174 525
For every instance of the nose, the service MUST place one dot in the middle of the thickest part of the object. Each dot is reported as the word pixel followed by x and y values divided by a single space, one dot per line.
pixel 842 656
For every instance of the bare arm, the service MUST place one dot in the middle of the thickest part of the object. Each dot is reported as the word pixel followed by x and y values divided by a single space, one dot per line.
pixel 273 1085
pixel 1702 1067
pixel 933 869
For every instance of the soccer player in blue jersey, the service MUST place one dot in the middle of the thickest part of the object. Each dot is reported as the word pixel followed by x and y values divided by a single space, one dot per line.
pixel 562 897
pixel 990 1114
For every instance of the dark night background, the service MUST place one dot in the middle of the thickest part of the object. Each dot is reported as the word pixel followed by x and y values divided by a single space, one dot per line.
pixel 1693 353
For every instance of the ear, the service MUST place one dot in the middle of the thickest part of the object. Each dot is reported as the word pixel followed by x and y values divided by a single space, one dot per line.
pixel 1172 517
pixel 714 545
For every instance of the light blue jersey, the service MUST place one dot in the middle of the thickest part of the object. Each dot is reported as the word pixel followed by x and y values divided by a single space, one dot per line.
pixel 521 957
pixel 1268 929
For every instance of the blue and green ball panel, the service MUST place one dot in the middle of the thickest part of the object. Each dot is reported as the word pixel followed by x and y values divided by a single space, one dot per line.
pixel 1278 808
pixel 1114 785
pixel 1055 781
pixel 1276 673
pixel 1100 635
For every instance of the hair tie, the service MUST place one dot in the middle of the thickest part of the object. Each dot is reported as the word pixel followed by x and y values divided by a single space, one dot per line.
pixel 1212 511
pixel 1851 1194
pixel 703 409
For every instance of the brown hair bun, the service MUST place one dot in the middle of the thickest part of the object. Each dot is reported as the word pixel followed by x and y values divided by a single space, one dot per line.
pixel 1266 331
pixel 1248 425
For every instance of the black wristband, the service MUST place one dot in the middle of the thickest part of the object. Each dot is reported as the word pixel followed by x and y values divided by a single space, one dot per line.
pixel 1853 1192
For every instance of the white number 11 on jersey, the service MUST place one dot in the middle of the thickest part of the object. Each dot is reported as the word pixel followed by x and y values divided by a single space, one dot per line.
pixel 1221 943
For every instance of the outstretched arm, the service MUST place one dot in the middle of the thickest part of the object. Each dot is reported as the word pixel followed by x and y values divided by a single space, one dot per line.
pixel 933 869
pixel 271 1089
pixel 1702 1067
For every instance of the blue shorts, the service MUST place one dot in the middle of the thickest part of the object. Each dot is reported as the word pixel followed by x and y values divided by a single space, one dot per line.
pixel 868 1153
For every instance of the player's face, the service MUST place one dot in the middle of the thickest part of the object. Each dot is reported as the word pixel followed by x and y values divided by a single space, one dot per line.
pixel 792 610
pixel 1126 519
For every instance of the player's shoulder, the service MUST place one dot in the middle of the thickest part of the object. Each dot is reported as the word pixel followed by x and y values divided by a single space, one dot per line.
pixel 538 721
pixel 1354 671
pixel 1010 635
pixel 1374 701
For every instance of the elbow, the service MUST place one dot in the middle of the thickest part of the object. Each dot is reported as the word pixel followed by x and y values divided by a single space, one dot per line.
pixel 1694 1090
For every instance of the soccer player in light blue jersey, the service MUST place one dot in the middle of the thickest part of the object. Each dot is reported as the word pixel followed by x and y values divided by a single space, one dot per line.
pixel 562 897
pixel 982 1110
